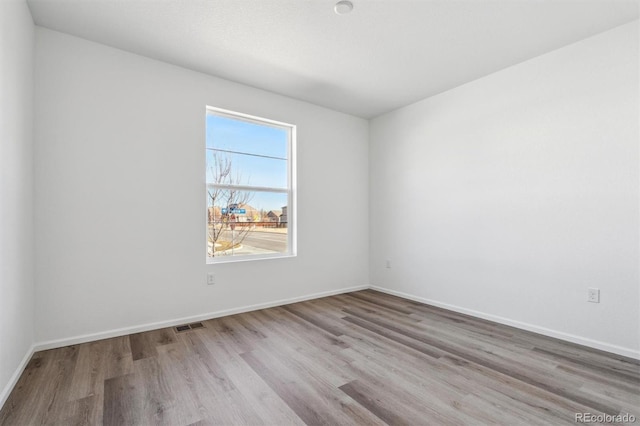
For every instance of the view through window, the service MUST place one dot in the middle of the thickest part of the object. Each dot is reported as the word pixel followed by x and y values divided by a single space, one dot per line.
pixel 249 187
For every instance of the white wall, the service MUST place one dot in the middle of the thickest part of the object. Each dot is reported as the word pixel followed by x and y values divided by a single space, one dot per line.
pixel 120 193
pixel 16 190
pixel 506 197
pixel 511 195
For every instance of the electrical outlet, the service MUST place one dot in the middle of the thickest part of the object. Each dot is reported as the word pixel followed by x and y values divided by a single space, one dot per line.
pixel 211 278
pixel 593 295
pixel 388 264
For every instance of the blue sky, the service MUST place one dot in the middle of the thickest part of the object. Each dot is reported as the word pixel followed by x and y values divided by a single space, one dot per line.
pixel 245 137
pixel 238 135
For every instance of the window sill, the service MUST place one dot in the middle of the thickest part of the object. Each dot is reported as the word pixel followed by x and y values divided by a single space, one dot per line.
pixel 247 258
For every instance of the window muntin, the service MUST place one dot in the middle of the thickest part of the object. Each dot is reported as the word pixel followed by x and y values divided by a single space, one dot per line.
pixel 250 180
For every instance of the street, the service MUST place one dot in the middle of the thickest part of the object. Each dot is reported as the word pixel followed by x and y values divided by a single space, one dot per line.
pixel 261 239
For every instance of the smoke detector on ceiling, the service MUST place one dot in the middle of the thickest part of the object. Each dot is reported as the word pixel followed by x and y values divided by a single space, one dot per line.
pixel 343 7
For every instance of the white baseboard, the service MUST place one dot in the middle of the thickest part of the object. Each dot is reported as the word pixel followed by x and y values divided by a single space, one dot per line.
pixel 51 344
pixel 16 375
pixel 627 352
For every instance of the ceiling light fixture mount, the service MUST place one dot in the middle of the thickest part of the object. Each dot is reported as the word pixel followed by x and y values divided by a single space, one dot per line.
pixel 343 7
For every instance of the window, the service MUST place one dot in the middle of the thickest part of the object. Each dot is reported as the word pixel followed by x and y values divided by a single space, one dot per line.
pixel 250 187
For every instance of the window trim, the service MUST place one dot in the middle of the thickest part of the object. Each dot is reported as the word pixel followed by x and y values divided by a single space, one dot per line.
pixel 291 190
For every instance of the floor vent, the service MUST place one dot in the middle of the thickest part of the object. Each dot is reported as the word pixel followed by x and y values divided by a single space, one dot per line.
pixel 187 327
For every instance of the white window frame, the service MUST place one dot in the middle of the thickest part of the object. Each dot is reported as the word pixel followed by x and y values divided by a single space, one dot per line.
pixel 290 190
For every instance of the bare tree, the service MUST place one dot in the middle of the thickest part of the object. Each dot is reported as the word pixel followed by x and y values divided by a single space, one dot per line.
pixel 224 200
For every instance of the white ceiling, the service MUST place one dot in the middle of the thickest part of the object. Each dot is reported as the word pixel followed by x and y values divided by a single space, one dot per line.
pixel 384 55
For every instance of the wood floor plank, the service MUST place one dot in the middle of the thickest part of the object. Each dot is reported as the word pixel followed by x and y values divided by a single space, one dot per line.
pixel 314 402
pixel 520 374
pixel 299 311
pixel 352 303
pixel 495 408
pixel 88 374
pixel 143 345
pixel 375 301
pixel 361 358
pixel 313 361
pixel 319 335
pixel 123 400
pixel 234 409
pixel 346 301
pixel 262 399
pixel 119 359
pixel 623 374
pixel 231 333
pixel 185 374
pixel 423 347
pixel 83 411
pixel 14 411
pixel 402 394
pixel 373 404
pixel 290 392
pixel 201 388
pixel 208 374
pixel 440 315
pixel 53 387
pixel 487 383
pixel 597 378
pixel 164 400
pixel 407 367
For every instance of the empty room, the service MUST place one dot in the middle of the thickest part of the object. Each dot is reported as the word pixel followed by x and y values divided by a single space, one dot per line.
pixel 336 212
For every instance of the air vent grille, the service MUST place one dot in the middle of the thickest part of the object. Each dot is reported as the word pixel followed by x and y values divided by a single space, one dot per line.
pixel 187 327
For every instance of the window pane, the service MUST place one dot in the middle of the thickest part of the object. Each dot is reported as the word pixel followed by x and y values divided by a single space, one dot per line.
pixel 242 136
pixel 240 169
pixel 244 223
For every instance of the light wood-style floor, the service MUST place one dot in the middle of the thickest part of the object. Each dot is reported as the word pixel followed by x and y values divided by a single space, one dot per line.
pixel 358 358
